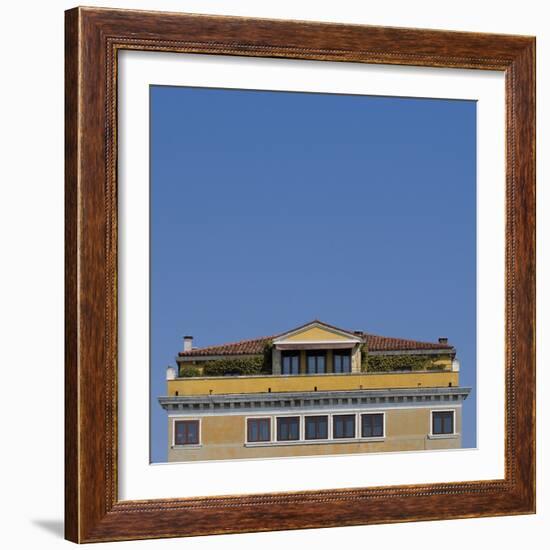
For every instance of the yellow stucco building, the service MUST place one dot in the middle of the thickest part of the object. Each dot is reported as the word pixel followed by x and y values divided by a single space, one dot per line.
pixel 314 390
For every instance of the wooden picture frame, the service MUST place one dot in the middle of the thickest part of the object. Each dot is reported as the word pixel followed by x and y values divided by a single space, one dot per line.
pixel 93 511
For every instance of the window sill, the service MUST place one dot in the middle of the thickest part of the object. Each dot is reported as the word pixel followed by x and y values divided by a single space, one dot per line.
pixel 184 447
pixel 315 442
pixel 443 436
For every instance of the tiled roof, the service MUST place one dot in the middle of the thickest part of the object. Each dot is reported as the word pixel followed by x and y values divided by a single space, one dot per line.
pixel 243 347
pixel 256 346
pixel 385 343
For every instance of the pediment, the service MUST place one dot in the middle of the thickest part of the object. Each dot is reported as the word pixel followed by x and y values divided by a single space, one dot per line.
pixel 317 332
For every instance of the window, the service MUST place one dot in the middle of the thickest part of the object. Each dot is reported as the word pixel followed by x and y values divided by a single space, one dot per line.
pixel 316 427
pixel 288 428
pixel 443 422
pixel 372 425
pixel 315 362
pixel 342 361
pixel 258 429
pixel 290 362
pixel 343 426
pixel 186 432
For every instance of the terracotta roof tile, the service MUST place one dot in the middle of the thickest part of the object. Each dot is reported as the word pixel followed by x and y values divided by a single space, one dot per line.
pixel 256 346
pixel 243 347
pixel 385 343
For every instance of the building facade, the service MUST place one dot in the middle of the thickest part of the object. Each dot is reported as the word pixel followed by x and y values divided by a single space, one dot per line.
pixel 314 390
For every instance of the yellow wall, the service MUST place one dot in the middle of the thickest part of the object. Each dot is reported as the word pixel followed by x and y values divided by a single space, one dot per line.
pixel 315 334
pixel 261 384
pixel 303 362
pixel 223 437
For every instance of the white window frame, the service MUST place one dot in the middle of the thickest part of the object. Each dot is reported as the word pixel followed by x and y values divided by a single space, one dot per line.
pixel 374 437
pixel 302 433
pixel 186 419
pixel 271 430
pixel 355 433
pixel 302 419
pixel 329 428
pixel 300 429
pixel 453 435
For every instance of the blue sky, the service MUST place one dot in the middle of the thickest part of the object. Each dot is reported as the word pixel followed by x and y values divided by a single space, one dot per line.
pixel 269 209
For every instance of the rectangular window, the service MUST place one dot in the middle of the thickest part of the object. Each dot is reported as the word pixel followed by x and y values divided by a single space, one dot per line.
pixel 186 432
pixel 343 426
pixel 288 428
pixel 316 362
pixel 290 362
pixel 372 425
pixel 316 427
pixel 258 429
pixel 342 361
pixel 443 422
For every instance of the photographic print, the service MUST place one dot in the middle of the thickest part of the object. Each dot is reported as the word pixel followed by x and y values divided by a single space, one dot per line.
pixel 313 274
pixel 294 247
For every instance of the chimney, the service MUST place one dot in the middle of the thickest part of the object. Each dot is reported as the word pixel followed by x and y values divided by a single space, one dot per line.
pixel 443 340
pixel 187 343
pixel 171 373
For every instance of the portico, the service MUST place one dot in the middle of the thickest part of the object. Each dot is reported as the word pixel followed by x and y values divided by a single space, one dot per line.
pixel 317 348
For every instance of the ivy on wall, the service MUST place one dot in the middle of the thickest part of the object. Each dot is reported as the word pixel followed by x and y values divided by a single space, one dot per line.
pixel 388 363
pixel 190 372
pixel 262 364
pixel 227 367
pixel 232 367
pixel 364 356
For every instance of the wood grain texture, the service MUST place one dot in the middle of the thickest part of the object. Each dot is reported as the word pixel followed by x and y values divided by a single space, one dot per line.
pixel 93 38
pixel 71 270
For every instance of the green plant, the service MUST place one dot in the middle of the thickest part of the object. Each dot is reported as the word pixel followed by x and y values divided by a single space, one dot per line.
pixel 388 363
pixel 364 356
pixel 234 367
pixel 436 367
pixel 190 372
pixel 268 357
